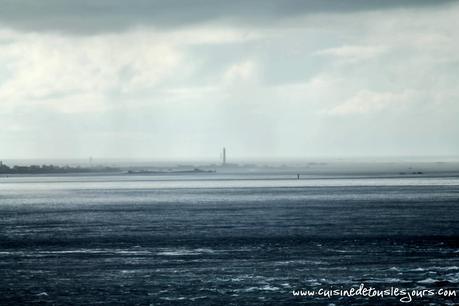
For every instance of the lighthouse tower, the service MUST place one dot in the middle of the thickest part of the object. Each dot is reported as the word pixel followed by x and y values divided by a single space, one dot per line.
pixel 224 157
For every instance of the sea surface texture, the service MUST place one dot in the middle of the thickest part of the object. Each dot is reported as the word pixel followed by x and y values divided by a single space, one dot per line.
pixel 214 239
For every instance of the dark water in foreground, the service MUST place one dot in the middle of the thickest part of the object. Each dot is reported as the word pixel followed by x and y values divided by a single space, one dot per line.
pixel 215 241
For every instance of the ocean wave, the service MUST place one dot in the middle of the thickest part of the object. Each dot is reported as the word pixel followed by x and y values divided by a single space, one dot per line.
pixel 453 278
pixel 185 252
pixel 266 287
pixel 388 280
pixel 428 281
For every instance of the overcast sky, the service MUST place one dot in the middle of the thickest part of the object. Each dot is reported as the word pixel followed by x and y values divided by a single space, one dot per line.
pixel 272 79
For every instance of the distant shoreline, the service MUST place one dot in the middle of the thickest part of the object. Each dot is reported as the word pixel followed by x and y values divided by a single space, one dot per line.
pixel 53 169
pixel 196 170
pixel 339 169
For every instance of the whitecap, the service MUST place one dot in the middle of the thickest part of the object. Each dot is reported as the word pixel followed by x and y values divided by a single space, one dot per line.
pixel 198 297
pixel 122 252
pixel 453 278
pixel 428 281
pixel 185 252
pixel 77 251
pixel 177 253
pixel 439 268
pixel 207 251
pixel 418 270
pixel 385 280
pixel 249 289
pixel 270 288
pixel 173 299
pixel 394 280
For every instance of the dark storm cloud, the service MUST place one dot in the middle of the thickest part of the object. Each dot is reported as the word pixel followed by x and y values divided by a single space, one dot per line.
pixel 89 16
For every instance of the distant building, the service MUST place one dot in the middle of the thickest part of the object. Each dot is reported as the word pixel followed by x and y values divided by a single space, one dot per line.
pixel 224 157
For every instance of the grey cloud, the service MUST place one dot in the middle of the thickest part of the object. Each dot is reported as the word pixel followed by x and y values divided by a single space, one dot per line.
pixel 93 16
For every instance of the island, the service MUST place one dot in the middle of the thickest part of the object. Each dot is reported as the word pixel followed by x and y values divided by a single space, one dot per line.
pixel 49 169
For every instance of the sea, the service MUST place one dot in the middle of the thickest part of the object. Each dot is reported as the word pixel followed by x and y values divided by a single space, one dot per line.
pixel 229 239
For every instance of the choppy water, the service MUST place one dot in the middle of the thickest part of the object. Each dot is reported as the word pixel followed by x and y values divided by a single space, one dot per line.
pixel 213 240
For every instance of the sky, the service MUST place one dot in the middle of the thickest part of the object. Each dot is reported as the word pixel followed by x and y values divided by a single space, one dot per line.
pixel 263 78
